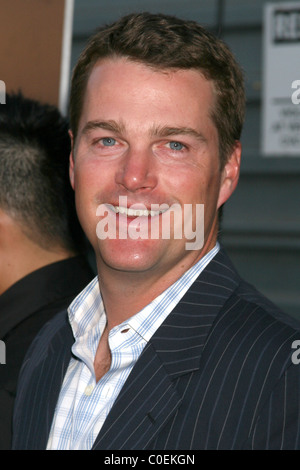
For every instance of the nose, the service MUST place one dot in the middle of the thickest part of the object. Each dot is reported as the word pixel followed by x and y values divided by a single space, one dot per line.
pixel 137 172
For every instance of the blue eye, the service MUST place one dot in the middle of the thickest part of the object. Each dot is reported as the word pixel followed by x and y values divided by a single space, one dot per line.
pixel 176 146
pixel 108 141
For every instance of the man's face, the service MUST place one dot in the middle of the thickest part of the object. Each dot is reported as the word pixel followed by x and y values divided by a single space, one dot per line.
pixel 146 136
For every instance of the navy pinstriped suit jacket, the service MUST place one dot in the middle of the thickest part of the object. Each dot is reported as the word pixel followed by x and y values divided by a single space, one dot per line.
pixel 217 374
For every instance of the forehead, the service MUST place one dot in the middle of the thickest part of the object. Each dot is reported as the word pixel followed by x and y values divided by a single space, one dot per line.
pixel 107 67
pixel 118 84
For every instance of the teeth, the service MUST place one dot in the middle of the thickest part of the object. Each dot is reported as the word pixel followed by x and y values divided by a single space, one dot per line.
pixel 135 212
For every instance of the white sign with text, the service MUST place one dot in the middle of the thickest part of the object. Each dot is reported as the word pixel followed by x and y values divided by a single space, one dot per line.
pixel 281 90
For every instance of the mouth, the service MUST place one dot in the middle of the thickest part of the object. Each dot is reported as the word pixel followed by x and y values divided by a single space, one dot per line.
pixel 122 221
pixel 139 212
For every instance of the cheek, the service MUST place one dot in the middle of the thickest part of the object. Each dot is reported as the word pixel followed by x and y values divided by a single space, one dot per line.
pixel 85 188
pixel 203 188
pixel 88 177
pixel 189 186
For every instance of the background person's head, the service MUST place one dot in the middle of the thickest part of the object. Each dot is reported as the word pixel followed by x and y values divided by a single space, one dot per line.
pixel 34 184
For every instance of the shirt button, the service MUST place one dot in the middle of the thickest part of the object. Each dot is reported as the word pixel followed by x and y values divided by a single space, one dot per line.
pixel 89 390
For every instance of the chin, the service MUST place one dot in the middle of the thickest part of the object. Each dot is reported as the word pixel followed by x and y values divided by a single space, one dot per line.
pixel 132 256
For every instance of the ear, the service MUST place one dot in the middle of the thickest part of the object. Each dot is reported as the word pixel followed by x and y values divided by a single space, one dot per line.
pixel 72 164
pixel 230 174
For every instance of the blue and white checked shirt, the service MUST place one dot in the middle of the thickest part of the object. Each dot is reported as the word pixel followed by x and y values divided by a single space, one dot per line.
pixel 83 404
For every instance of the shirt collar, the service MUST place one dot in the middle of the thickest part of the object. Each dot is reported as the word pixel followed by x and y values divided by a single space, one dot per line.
pixel 87 309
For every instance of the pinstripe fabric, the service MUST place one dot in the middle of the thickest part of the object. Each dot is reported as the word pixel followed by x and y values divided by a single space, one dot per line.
pixel 217 374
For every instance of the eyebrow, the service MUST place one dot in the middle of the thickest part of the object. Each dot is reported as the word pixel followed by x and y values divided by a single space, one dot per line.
pixel 110 125
pixel 166 131
pixel 155 131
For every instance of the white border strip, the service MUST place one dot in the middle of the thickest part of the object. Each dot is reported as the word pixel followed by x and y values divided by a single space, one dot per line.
pixel 66 56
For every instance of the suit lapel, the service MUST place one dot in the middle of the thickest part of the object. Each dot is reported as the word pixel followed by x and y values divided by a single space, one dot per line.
pixel 151 395
pixel 142 406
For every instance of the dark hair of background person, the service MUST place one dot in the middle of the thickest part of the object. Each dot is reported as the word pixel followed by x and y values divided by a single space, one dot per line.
pixel 166 42
pixel 34 146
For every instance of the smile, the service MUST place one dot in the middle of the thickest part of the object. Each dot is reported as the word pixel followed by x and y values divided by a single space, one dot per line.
pixel 136 212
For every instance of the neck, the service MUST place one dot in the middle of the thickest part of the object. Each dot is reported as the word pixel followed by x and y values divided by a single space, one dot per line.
pixel 20 256
pixel 126 293
pixel 15 267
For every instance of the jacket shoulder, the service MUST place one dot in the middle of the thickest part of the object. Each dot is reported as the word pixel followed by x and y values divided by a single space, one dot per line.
pixel 47 358
pixel 54 331
pixel 250 295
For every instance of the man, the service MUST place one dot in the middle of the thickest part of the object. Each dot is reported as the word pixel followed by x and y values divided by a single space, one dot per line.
pixel 41 268
pixel 169 349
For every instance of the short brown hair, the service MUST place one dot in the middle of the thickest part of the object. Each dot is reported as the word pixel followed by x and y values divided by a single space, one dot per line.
pixel 167 42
